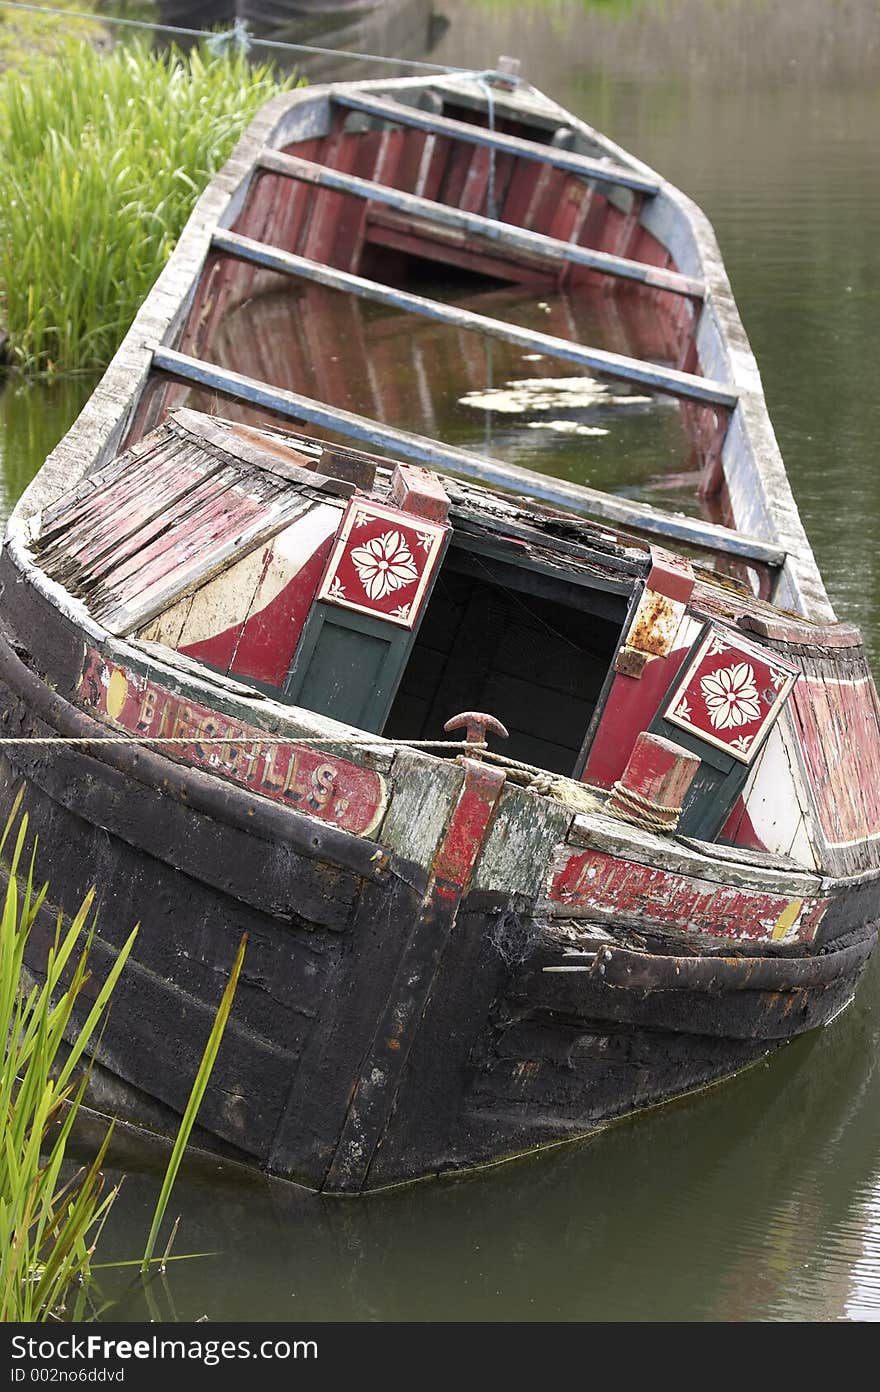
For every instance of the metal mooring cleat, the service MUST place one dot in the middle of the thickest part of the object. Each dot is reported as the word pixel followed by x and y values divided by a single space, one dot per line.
pixel 477 723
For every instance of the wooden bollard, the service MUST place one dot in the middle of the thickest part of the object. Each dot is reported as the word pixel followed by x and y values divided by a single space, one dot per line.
pixel 418 490
pixel 653 786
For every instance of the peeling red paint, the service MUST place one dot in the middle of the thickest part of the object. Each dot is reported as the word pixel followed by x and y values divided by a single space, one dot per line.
pixel 457 856
pixel 630 708
pixel 837 728
pixel 594 880
pixel 311 780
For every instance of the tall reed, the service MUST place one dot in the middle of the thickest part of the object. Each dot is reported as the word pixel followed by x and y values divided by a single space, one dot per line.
pixel 103 157
pixel 49 1224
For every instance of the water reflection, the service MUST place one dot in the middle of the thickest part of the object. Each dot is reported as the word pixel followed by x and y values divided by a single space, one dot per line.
pixel 440 380
pixel 33 417
pixel 760 1199
pixel 748 1201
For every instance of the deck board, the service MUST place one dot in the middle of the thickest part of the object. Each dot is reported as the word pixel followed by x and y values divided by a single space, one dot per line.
pixel 494 233
pixel 588 502
pixel 617 365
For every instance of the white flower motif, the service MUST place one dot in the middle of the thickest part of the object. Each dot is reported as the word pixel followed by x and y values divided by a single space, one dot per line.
pixel 742 742
pixel 384 564
pixel 426 540
pixel 361 518
pixel 716 646
pixel 336 590
pixel 683 710
pixel 731 696
pixel 401 612
pixel 778 679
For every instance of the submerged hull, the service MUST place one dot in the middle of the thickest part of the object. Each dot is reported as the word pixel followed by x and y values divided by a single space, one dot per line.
pixel 450 960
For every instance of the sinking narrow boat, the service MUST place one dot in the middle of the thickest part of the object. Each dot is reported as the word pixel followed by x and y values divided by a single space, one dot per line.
pixel 539 804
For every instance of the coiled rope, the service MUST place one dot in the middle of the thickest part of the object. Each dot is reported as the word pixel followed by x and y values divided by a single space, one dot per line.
pixel 654 816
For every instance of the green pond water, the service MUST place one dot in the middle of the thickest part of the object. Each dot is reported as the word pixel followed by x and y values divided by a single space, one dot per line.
pixel 761 1198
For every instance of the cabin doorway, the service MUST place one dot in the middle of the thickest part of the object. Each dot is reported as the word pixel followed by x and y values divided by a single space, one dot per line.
pixel 529 648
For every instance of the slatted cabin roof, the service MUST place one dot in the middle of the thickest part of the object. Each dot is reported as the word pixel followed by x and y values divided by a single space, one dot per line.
pixel 172 510
pixel 197 492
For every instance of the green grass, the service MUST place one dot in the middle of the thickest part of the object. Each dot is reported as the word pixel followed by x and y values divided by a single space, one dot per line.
pixel 50 1220
pixel 28 39
pixel 103 159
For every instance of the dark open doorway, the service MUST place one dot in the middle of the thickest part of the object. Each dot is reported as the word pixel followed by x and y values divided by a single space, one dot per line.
pixel 529 648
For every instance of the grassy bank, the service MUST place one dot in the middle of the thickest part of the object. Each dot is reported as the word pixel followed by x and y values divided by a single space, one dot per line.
pixel 28 39
pixel 104 156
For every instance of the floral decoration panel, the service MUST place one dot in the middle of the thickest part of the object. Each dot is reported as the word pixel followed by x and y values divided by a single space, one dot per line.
pixel 383 562
pixel 730 694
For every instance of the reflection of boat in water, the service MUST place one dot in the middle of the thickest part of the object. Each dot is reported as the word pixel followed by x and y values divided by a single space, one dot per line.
pixel 672 867
pixel 480 394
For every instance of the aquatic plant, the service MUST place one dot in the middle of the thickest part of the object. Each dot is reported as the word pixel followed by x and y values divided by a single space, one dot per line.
pixel 51 1220
pixel 48 1225
pixel 104 156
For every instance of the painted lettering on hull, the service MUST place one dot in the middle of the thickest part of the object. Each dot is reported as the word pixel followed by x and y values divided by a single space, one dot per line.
pixel 313 781
pixel 604 886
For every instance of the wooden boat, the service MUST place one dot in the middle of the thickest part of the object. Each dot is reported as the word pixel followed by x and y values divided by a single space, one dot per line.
pixel 232 652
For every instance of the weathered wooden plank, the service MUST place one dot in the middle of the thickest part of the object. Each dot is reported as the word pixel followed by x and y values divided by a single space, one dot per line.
pixel 219 510
pixel 596 885
pixel 423 796
pixel 664 379
pixel 124 615
pixel 589 502
pixel 387 109
pixel 737 866
pixel 143 534
pixel 519 846
pixel 784 628
pixel 502 237
pixel 134 506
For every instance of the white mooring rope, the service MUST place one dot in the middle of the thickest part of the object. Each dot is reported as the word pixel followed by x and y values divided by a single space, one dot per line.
pixel 376 742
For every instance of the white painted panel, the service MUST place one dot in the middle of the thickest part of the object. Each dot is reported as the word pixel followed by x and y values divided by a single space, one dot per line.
pixel 772 802
pixel 224 602
pixel 293 548
pixel 166 628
